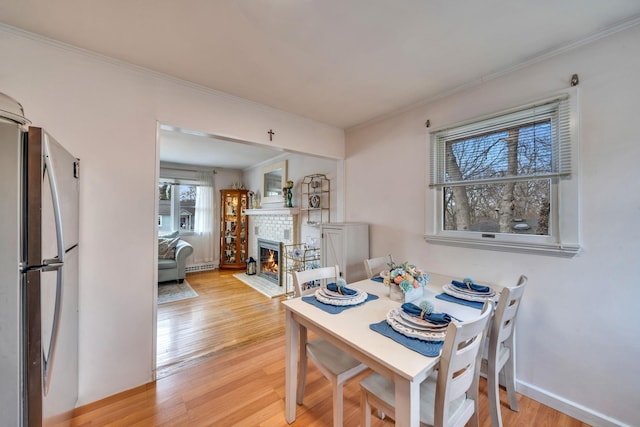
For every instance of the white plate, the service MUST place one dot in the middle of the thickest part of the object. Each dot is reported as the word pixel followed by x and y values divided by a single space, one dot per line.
pixel 331 294
pixel 489 293
pixel 360 297
pixel 451 290
pixel 418 323
pixel 314 201
pixel 410 332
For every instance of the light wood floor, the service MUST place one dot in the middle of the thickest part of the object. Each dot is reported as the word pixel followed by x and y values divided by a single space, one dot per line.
pixel 234 374
pixel 192 330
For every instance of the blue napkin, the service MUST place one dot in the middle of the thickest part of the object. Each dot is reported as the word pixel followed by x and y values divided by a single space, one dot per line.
pixel 435 318
pixel 377 279
pixel 343 289
pixel 450 298
pixel 473 286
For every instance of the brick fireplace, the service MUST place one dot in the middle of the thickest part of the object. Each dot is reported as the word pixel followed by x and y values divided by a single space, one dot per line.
pixel 275 227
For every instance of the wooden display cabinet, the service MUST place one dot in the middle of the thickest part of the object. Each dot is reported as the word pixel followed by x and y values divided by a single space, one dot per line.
pixel 234 228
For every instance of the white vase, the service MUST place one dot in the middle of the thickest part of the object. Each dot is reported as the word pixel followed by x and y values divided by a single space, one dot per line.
pixel 396 294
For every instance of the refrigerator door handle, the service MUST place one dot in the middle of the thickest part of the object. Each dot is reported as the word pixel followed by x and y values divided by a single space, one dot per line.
pixel 55 199
pixel 51 261
pixel 47 359
pixel 56 264
pixel 51 267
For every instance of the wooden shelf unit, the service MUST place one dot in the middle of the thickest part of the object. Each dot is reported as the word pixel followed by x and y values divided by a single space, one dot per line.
pixel 315 199
pixel 298 257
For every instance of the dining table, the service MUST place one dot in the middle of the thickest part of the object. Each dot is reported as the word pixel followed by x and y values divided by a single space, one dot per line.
pixel 349 329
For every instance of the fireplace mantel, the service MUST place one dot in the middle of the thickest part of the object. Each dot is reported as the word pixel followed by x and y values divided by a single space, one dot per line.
pixel 273 211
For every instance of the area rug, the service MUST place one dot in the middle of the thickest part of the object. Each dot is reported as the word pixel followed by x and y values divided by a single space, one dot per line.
pixel 170 292
pixel 264 286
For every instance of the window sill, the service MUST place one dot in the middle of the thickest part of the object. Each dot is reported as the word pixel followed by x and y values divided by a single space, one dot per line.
pixel 565 251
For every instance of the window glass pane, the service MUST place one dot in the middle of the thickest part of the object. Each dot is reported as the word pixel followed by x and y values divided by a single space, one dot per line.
pixel 164 208
pixel 515 151
pixel 520 208
pixel 176 207
pixel 187 206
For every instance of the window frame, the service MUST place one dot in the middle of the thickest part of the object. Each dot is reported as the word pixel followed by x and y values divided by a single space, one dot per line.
pixel 175 205
pixel 564 237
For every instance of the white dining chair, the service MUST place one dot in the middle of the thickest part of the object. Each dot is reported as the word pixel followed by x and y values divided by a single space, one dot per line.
pixel 336 365
pixel 500 353
pixel 449 396
pixel 374 266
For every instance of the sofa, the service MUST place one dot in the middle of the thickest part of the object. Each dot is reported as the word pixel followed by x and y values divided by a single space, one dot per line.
pixel 172 259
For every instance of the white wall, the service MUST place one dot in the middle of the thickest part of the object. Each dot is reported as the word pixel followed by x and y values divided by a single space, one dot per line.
pixel 298 166
pixel 106 114
pixel 579 325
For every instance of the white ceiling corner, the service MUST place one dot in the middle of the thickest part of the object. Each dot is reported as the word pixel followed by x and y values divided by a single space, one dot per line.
pixel 340 62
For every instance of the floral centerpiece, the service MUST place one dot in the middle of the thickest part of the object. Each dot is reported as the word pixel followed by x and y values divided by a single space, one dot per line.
pixel 405 281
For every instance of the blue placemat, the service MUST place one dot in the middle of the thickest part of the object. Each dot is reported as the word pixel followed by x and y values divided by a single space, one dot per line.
pixel 335 309
pixel 426 348
pixel 450 298
pixel 377 279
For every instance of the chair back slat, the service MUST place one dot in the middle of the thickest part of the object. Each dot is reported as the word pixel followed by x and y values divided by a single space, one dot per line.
pixel 506 312
pixel 460 362
pixel 374 266
pixel 301 278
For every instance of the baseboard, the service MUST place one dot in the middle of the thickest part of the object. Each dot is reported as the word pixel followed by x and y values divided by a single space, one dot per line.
pixel 582 413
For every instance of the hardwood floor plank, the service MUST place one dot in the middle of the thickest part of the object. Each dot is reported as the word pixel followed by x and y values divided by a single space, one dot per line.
pixel 232 341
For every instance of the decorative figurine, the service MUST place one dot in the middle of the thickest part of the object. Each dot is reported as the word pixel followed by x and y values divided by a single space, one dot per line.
pixel 288 194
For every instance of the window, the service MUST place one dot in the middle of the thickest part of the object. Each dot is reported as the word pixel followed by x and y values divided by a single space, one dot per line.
pixel 508 180
pixel 177 207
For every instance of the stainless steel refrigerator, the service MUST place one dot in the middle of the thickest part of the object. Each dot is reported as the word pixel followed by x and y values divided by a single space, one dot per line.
pixel 38 274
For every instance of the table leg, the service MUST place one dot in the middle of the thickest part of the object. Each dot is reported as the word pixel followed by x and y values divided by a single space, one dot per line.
pixel 291 366
pixel 407 402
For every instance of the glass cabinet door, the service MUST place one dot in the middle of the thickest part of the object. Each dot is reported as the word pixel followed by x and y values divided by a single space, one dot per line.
pixel 234 231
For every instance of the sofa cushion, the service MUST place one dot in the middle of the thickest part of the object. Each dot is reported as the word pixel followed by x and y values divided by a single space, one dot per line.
pixel 166 264
pixel 167 248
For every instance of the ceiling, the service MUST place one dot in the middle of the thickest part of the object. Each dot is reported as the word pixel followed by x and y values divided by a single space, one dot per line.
pixel 197 148
pixel 340 62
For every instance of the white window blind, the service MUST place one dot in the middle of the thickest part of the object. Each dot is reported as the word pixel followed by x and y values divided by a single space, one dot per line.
pixel 476 151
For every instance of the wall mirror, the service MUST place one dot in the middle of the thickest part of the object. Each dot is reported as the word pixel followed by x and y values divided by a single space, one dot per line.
pixel 274 179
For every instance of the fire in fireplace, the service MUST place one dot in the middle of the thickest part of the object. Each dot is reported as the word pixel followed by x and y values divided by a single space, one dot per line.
pixel 269 260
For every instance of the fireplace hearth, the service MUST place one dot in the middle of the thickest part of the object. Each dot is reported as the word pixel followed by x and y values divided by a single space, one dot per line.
pixel 269 260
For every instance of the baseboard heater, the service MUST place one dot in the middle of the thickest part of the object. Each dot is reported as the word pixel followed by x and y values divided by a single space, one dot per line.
pixel 200 267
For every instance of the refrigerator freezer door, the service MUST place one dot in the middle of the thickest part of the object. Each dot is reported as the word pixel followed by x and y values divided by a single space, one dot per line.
pixel 61 170
pixel 52 236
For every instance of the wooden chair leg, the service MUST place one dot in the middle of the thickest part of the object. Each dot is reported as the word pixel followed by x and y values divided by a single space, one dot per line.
pixel 302 379
pixel 302 374
pixel 337 404
pixel 510 383
pixel 365 408
pixel 493 386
